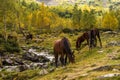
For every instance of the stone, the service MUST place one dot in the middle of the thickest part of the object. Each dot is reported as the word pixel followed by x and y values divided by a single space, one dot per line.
pixel 43 72
pixel 108 75
pixel 103 68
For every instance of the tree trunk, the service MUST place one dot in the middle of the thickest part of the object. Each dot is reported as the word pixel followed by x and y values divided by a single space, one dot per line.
pixel 5 28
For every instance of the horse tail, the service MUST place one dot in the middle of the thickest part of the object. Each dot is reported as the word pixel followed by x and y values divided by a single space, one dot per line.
pixel 67 45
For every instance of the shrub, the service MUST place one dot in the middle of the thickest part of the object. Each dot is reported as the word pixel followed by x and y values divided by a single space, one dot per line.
pixel 12 46
pixel 67 30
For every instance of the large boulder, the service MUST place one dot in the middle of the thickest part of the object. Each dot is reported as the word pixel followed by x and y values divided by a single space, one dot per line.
pixel 31 56
pixel 23 67
pixel 35 58
pixel 7 62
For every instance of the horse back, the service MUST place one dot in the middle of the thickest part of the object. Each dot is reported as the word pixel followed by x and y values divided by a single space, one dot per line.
pixel 57 46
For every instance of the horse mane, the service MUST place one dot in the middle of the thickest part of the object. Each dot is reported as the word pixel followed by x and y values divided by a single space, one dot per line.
pixel 67 45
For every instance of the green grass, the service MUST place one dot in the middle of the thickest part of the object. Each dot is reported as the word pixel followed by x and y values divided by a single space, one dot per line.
pixel 84 61
pixel 25 75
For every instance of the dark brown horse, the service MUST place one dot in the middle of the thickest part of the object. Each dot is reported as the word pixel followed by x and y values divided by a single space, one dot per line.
pixel 91 37
pixel 62 49
pixel 82 38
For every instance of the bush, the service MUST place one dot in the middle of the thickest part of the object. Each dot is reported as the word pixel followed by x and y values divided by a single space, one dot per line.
pixel 25 75
pixel 12 46
pixel 67 30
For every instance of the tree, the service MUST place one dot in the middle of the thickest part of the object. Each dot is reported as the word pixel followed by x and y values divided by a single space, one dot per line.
pixel 77 13
pixel 117 15
pixel 109 21
pixel 88 19
pixel 6 11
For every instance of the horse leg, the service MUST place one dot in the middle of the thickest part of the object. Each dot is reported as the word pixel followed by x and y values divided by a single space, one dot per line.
pixel 56 60
pixel 95 42
pixel 62 60
pixel 98 35
pixel 66 59
pixel 88 42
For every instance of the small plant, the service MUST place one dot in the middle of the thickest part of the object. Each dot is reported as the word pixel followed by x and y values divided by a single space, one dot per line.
pixel 11 46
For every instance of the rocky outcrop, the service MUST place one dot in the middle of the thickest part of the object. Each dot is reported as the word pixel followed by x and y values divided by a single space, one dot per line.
pixel 113 43
pixel 107 68
pixel 31 59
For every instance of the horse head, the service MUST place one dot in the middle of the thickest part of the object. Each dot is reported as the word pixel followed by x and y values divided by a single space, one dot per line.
pixel 72 57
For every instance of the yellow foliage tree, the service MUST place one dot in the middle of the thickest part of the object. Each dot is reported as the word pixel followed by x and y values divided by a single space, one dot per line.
pixel 41 18
pixel 109 21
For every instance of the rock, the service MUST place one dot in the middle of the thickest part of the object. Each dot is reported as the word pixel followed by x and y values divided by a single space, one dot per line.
pixel 51 70
pixel 36 65
pixel 83 75
pixel 103 68
pixel 43 72
pixel 24 48
pixel 93 65
pixel 36 57
pixel 111 32
pixel 113 43
pixel 31 57
pixel 108 75
pixel 7 62
pixel 11 68
pixel 19 61
pixel 117 70
pixel 101 51
pixel 43 59
pixel 23 67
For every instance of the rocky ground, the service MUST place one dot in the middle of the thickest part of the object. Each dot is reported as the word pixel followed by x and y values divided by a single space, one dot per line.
pixel 30 59
pixel 100 63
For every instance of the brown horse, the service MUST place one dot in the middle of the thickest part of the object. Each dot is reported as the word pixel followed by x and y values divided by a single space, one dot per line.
pixel 91 37
pixel 62 48
pixel 80 39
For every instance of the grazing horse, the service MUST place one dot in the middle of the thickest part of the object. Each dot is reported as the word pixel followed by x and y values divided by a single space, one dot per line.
pixel 80 39
pixel 62 49
pixel 91 37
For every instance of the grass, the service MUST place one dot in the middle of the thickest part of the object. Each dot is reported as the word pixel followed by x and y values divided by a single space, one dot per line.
pixel 85 61
pixel 25 75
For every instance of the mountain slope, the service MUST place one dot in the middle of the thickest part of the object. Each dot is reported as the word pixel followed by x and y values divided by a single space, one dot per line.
pixel 90 65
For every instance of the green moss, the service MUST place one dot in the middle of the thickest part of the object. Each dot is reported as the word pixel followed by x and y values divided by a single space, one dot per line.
pixel 25 75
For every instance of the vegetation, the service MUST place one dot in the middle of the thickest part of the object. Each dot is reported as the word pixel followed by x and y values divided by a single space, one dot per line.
pixel 18 18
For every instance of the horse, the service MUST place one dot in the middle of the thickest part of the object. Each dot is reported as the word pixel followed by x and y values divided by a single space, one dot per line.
pixel 82 38
pixel 62 49
pixel 91 37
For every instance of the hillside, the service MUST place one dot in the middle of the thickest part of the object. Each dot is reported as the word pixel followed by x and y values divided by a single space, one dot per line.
pixel 103 3
pixel 100 63
pixel 29 29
